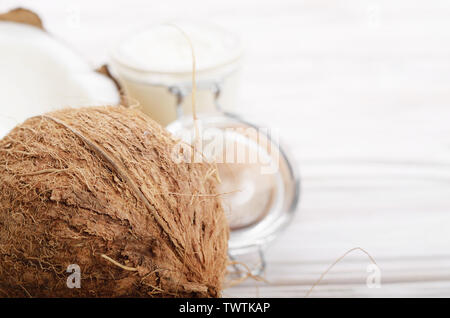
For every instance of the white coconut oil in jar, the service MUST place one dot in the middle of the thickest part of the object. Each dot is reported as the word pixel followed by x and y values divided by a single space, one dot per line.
pixel 155 67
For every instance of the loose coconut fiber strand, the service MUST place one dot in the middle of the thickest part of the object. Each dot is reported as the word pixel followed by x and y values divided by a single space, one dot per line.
pixel 97 187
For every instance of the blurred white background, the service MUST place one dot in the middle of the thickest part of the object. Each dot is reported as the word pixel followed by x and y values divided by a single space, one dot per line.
pixel 359 91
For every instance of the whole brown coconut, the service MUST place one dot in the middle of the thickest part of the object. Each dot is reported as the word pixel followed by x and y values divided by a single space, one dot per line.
pixel 97 187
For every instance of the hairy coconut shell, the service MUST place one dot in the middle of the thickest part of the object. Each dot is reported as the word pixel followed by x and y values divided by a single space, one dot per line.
pixel 97 187
pixel 21 15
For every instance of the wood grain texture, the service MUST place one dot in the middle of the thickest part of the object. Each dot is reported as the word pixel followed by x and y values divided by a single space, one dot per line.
pixel 359 90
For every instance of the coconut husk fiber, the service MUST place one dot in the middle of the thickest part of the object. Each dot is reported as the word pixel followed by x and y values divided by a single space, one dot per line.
pixel 21 15
pixel 97 187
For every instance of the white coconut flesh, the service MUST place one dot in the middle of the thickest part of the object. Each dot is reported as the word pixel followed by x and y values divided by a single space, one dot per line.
pixel 38 73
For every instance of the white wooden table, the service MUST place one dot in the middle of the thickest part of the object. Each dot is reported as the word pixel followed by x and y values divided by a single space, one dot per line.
pixel 361 94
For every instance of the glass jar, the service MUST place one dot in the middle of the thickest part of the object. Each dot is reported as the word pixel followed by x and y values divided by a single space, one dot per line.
pixel 153 61
pixel 259 184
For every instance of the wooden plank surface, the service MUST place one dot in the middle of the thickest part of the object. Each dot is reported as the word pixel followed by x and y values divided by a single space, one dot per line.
pixel 359 90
